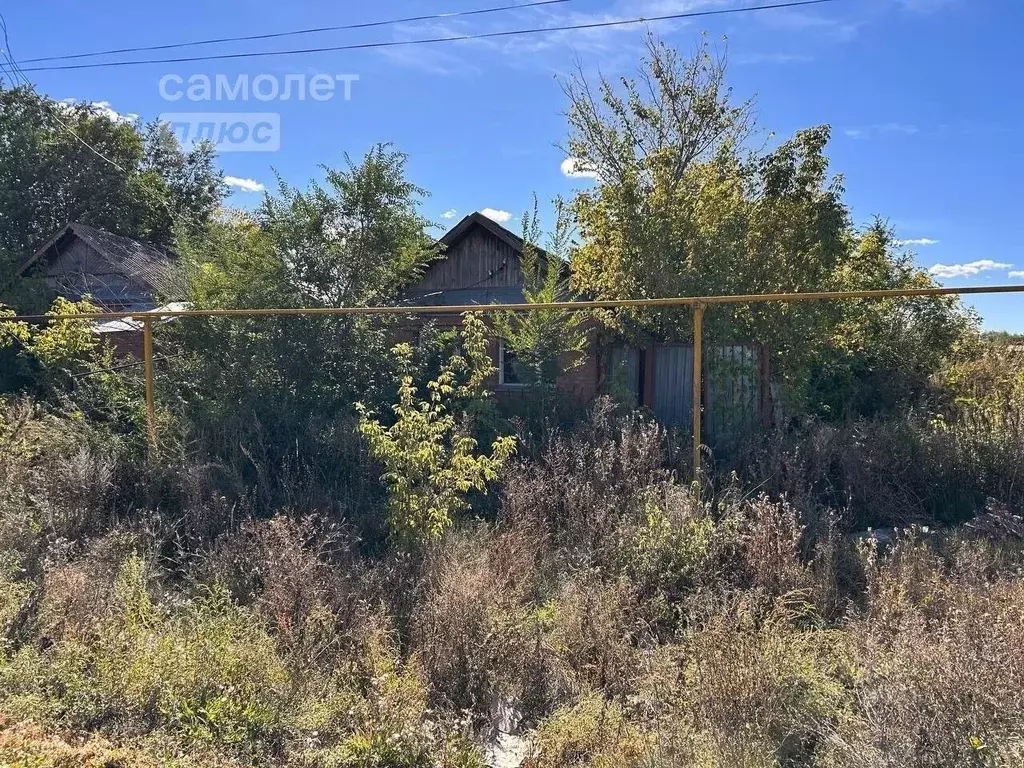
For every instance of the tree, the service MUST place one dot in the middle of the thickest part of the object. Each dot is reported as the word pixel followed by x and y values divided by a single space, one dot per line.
pixel 190 185
pixel 351 243
pixel 288 384
pixel 64 162
pixel 882 354
pixel 545 342
pixel 356 241
pixel 683 207
pixel 429 459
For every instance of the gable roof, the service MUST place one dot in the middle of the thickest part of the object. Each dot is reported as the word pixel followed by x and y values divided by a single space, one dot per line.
pixel 459 232
pixel 150 265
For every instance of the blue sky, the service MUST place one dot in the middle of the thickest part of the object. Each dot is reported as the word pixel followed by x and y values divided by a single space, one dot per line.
pixel 925 98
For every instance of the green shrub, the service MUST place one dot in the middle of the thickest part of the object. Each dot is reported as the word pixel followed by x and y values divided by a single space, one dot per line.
pixel 593 733
pixel 430 461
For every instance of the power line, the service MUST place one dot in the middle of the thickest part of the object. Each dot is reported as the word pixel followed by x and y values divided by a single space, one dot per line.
pixel 11 72
pixel 423 41
pixel 124 366
pixel 53 108
pixel 298 32
pixel 11 67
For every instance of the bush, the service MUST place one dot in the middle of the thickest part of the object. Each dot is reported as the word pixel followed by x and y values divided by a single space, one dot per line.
pixel 430 462
pixel 608 617
pixel 939 654
pixel 593 733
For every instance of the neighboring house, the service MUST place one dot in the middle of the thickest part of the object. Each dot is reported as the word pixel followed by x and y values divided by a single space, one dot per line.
pixel 116 273
pixel 125 334
pixel 482 264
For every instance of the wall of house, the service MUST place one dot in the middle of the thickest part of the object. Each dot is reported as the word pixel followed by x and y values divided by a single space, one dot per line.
pixel 582 374
pixel 126 343
pixel 480 260
pixel 482 268
pixel 78 270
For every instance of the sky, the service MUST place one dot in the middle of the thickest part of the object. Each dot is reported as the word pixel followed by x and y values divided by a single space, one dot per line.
pixel 925 99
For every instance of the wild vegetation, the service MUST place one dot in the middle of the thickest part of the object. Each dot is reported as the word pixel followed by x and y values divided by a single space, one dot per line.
pixel 343 552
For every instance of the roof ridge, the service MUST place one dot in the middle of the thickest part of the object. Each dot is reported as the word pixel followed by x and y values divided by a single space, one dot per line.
pixel 504 234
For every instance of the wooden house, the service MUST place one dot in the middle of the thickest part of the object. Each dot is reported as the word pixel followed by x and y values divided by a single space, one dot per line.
pixel 482 264
pixel 116 273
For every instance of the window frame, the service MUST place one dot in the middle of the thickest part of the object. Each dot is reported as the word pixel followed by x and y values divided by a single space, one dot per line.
pixel 502 348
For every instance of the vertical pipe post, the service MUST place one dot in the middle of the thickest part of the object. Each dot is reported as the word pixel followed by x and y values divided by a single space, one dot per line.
pixel 698 369
pixel 147 352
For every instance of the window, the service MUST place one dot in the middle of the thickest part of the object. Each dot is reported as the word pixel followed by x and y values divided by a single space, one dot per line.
pixel 507 374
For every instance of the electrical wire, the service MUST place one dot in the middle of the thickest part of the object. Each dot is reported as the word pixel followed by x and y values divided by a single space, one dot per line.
pixel 9 68
pixel 10 72
pixel 54 109
pixel 298 32
pixel 425 41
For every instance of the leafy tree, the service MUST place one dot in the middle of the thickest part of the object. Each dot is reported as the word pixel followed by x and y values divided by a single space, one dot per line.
pixel 429 459
pixel 683 207
pixel 546 341
pixel 1004 338
pixel 883 353
pixel 189 186
pixel 285 386
pixel 351 243
pixel 355 241
pixel 64 162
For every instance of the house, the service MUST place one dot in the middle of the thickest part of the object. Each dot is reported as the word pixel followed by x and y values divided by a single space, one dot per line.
pixel 116 273
pixel 482 264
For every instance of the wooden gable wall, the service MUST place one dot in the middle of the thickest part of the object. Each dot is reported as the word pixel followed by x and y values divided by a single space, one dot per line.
pixel 479 260
pixel 78 270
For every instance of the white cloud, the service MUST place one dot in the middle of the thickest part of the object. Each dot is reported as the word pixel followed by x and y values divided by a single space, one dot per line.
pixel 571 168
pixel 1017 273
pixel 966 270
pixel 617 46
pixel 830 28
pixel 501 217
pixel 451 213
pixel 864 132
pixel 244 185
pixel 917 241
pixel 104 109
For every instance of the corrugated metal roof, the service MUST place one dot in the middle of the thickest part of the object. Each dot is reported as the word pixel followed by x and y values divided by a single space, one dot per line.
pixel 152 267
pixel 134 324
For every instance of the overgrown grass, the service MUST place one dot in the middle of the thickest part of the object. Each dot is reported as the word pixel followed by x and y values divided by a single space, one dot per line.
pixel 605 618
